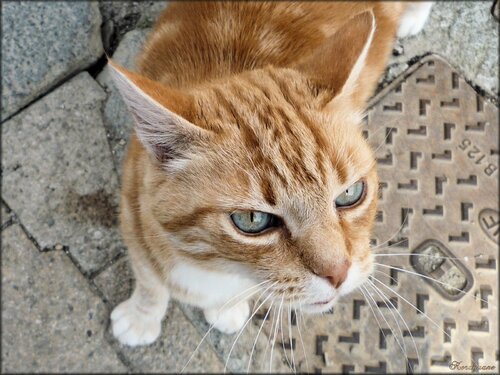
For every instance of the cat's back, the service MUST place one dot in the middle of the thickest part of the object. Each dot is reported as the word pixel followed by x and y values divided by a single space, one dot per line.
pixel 197 41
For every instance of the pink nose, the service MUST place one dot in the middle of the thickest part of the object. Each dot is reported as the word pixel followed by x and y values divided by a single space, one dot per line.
pixel 338 273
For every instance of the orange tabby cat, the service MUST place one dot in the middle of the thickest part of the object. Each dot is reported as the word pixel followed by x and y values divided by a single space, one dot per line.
pixel 248 171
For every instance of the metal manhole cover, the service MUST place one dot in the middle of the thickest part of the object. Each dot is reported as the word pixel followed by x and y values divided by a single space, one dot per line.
pixel 436 142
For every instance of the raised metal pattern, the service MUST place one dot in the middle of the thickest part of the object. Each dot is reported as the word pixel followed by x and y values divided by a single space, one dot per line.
pixel 438 165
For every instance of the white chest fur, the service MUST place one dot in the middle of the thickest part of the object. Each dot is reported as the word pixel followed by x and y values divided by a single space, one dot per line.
pixel 206 289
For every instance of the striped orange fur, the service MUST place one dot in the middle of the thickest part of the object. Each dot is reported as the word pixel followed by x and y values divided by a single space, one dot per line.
pixel 252 106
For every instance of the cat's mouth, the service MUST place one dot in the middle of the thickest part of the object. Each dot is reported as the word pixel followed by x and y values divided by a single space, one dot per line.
pixel 320 303
pixel 319 307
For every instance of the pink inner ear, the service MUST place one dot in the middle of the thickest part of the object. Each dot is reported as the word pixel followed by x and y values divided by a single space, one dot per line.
pixel 162 132
pixel 171 99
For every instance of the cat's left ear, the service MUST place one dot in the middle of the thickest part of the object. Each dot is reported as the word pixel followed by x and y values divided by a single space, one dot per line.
pixel 336 65
pixel 162 115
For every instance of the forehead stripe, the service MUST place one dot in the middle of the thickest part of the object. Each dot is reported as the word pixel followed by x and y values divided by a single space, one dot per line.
pixel 264 165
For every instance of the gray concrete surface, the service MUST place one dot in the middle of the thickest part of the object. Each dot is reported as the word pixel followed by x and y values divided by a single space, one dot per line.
pixel 42 44
pixel 117 120
pixel 58 175
pixel 122 16
pixel 6 216
pixel 61 165
pixel 116 284
pixel 463 32
pixel 51 320
pixel 177 341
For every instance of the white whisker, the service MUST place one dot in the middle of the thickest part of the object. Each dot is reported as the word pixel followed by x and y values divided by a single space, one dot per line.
pixel 275 334
pixel 430 278
pixel 273 321
pixel 376 132
pixel 213 325
pixel 374 162
pixel 257 337
pixel 382 143
pixel 290 338
pixel 300 336
pixel 415 307
pixel 283 339
pixel 384 296
pixel 465 259
pixel 246 323
pixel 364 291
pixel 387 302
pixel 383 273
pixel 395 233
pixel 386 322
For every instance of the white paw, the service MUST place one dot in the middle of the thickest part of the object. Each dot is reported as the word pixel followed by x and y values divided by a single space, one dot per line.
pixel 414 19
pixel 230 320
pixel 135 326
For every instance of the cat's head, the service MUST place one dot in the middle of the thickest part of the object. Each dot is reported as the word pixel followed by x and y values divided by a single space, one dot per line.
pixel 266 173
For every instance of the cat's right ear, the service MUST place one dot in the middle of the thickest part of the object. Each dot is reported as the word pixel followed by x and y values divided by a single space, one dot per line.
pixel 161 114
pixel 337 63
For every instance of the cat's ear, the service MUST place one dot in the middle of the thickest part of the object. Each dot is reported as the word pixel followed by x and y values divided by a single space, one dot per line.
pixel 161 114
pixel 337 63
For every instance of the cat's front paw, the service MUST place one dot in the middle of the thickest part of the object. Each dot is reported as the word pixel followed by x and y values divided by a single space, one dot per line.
pixel 230 320
pixel 414 18
pixel 134 326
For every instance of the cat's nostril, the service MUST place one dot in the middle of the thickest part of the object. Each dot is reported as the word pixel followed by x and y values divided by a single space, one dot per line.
pixel 338 273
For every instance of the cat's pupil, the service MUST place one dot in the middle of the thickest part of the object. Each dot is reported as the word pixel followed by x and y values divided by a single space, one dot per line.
pixel 252 221
pixel 351 195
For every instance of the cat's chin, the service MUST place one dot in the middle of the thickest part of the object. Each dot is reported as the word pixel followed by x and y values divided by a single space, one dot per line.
pixel 319 307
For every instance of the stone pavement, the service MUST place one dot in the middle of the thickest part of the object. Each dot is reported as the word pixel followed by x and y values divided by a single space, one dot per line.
pixel 64 133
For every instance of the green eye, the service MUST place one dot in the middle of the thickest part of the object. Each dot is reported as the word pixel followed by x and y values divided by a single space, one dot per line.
pixel 253 221
pixel 351 196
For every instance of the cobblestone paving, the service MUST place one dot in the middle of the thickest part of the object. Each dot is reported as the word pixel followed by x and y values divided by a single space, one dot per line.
pixel 64 266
